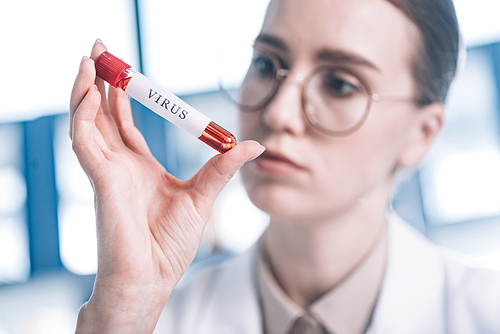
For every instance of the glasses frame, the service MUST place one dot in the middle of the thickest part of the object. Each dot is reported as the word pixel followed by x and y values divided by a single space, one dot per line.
pixel 282 74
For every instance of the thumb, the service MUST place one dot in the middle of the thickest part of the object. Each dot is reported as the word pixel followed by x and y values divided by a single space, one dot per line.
pixel 216 173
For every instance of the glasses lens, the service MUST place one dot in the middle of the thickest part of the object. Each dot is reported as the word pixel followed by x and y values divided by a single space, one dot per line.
pixel 335 100
pixel 250 83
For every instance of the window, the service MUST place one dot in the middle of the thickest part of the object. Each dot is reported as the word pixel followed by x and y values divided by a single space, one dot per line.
pixel 461 178
pixel 454 198
pixel 14 262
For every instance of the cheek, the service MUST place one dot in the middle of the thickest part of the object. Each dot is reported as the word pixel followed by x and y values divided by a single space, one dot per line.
pixel 383 139
pixel 350 173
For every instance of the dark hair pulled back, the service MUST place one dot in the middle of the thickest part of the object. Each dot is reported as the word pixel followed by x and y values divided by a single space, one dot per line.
pixel 435 65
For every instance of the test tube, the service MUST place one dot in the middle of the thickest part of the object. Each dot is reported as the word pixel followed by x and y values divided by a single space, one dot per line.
pixel 121 75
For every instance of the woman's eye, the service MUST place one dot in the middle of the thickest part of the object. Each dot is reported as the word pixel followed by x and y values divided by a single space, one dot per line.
pixel 264 66
pixel 336 86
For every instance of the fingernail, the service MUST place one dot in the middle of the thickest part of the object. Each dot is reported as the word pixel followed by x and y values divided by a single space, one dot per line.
pixel 93 87
pixel 257 154
pixel 83 59
pixel 98 40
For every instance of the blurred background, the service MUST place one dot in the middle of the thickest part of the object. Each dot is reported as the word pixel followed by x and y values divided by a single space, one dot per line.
pixel 47 228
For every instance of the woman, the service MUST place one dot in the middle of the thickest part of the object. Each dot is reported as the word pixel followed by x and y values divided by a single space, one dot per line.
pixel 332 259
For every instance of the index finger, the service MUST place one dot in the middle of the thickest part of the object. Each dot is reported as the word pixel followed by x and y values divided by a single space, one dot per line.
pixel 84 80
pixel 97 49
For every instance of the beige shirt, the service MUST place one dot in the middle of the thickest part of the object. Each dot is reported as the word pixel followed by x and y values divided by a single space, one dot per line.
pixel 346 309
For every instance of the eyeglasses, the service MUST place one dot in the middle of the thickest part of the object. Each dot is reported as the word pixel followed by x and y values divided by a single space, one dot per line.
pixel 334 100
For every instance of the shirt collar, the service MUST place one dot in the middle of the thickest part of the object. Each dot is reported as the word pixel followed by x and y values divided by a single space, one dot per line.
pixel 346 309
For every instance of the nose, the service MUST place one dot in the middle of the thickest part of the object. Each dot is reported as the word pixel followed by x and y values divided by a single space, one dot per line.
pixel 284 113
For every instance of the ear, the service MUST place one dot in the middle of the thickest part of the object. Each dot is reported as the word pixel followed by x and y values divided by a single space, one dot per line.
pixel 429 120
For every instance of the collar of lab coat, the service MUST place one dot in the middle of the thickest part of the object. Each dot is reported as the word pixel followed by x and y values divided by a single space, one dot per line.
pixel 413 287
pixel 412 290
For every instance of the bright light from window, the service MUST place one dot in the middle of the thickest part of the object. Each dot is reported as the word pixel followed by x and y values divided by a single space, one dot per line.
pixel 12 191
pixel 238 222
pixel 478 20
pixel 77 237
pixel 42 44
pixel 184 40
pixel 459 180
pixel 14 250
pixel 14 262
pixel 467 185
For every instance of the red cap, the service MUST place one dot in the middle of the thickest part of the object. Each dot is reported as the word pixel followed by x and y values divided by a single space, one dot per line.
pixel 110 69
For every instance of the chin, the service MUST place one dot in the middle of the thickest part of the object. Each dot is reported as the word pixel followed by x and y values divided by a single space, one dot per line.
pixel 280 201
pixel 271 197
pixel 286 203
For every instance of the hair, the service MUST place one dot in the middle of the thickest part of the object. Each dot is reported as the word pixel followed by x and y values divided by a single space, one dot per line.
pixel 435 64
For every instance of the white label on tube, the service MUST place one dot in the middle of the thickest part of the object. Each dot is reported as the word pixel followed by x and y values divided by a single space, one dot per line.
pixel 167 105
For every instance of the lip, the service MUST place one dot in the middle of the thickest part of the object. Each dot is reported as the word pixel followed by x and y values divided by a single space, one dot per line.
pixel 276 163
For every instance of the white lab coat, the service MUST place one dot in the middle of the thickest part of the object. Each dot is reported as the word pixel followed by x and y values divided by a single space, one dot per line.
pixel 424 292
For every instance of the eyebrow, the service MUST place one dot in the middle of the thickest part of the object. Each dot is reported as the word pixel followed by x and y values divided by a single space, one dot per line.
pixel 325 54
pixel 272 41
pixel 345 57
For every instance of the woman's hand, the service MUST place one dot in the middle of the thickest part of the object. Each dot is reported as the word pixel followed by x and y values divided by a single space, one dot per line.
pixel 149 223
